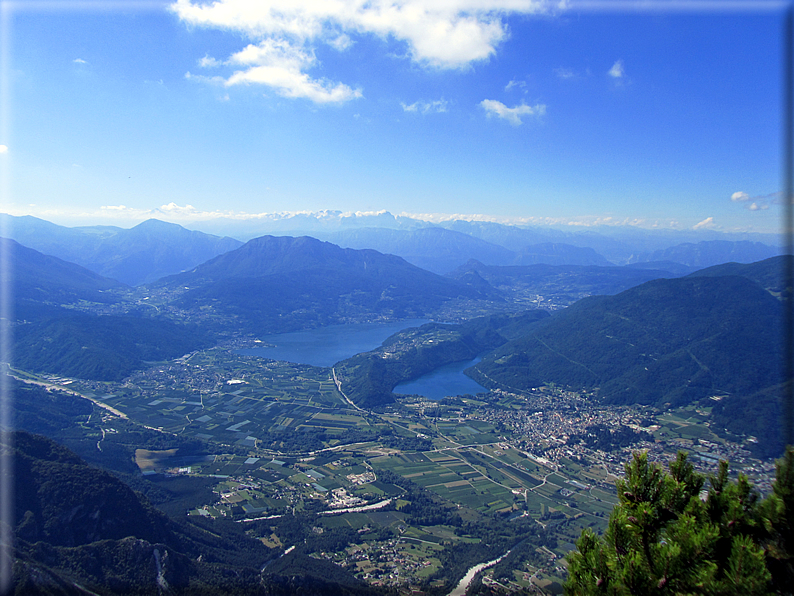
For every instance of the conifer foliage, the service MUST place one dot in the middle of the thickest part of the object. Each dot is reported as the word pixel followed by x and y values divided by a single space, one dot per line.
pixel 668 536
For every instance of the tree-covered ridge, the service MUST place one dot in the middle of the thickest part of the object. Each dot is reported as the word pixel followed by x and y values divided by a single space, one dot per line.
pixel 278 284
pixel 668 342
pixel 770 273
pixel 105 347
pixel 669 536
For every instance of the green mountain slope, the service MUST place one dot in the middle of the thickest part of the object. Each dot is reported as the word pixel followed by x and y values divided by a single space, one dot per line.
pixel 666 343
pixel 54 332
pixel 276 284
pixel 103 348
pixel 769 273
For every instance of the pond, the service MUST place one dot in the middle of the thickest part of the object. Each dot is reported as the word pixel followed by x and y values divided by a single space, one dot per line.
pixel 444 381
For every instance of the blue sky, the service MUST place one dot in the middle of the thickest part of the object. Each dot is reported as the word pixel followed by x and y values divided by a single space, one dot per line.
pixel 519 110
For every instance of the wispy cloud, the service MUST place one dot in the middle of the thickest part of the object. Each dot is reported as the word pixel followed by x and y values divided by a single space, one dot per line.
pixel 706 224
pixel 209 62
pixel 515 83
pixel 565 73
pixel 617 71
pixel 79 61
pixel 447 35
pixel 426 107
pixel 512 115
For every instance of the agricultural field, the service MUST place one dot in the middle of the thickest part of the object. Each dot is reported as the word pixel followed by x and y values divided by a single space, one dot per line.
pixel 404 495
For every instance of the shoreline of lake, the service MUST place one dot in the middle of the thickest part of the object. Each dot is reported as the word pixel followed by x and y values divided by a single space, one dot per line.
pixel 325 346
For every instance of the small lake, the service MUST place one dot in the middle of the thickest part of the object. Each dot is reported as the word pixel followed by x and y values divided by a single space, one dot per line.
pixel 442 382
pixel 328 345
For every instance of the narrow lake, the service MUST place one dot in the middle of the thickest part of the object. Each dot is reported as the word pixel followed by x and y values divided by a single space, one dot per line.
pixel 442 382
pixel 328 345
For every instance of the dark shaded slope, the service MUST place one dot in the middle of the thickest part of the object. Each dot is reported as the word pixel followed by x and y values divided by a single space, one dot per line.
pixel 62 501
pixel 103 348
pixel 666 342
pixel 276 284
pixel 80 530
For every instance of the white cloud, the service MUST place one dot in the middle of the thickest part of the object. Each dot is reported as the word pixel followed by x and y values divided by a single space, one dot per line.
pixel 440 34
pixel 756 203
pixel 208 62
pixel 617 71
pixel 341 43
pixel 3 149
pixel 426 107
pixel 216 80
pixel 512 115
pixel 79 61
pixel 515 83
pixel 280 65
pixel 707 223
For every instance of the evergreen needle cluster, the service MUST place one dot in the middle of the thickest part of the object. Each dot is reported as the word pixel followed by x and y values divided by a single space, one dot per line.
pixel 668 535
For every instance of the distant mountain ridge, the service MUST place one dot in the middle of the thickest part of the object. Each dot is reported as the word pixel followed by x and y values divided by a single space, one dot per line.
pixel 714 252
pixel 558 284
pixel 60 324
pixel 34 276
pixel 155 249
pixel 436 249
pixel 142 254
pixel 442 250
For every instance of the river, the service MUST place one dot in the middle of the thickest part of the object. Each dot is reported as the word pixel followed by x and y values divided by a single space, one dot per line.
pixel 463 584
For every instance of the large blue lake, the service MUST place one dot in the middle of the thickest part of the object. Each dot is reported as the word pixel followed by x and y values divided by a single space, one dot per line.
pixel 328 345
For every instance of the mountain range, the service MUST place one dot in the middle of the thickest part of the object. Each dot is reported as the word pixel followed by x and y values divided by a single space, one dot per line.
pixel 155 249
pixel 644 335
pixel 141 254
